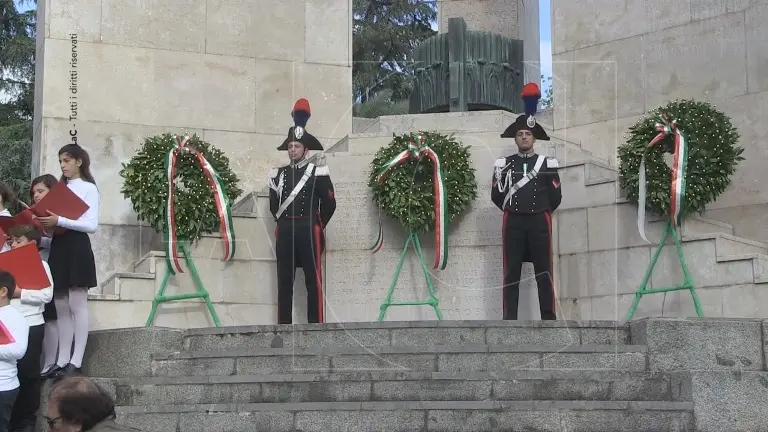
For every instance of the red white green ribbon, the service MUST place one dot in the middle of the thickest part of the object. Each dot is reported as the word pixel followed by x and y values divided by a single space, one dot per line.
pixel 679 170
pixel 223 206
pixel 441 197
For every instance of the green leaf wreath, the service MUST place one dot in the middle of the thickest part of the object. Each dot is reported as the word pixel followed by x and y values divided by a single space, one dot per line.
pixel 146 186
pixel 407 193
pixel 712 159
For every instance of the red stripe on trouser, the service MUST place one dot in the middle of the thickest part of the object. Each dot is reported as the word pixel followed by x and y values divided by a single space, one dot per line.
pixel 319 273
pixel 278 279
pixel 548 217
pixel 504 269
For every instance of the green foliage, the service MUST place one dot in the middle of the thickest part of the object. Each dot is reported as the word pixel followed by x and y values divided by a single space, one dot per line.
pixel 16 160
pixel 712 159
pixel 384 34
pixel 17 72
pixel 380 105
pixel 407 193
pixel 146 186
pixel 17 62
pixel 547 99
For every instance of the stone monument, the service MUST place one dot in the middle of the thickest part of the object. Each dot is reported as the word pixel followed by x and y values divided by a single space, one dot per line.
pixel 110 73
pixel 465 70
pixel 514 19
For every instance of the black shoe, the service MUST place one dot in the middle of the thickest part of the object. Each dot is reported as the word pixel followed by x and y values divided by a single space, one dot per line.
pixel 50 373
pixel 67 370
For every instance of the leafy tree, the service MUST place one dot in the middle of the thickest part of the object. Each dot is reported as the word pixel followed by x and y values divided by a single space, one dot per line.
pixel 546 98
pixel 17 62
pixel 385 33
pixel 17 73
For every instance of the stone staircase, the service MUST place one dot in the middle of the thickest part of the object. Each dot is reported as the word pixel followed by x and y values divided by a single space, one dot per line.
pixel 594 229
pixel 674 375
pixel 398 376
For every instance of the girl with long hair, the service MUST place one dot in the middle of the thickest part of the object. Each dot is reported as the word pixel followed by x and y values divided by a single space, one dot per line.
pixel 71 259
pixel 40 188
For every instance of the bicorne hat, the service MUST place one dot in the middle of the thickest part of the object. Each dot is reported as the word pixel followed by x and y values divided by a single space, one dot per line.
pixel 531 95
pixel 298 132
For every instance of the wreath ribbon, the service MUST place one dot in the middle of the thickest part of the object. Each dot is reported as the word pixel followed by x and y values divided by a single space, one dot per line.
pixel 222 204
pixel 441 198
pixel 679 169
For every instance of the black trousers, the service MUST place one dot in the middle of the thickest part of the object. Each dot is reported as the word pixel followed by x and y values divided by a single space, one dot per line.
pixel 7 399
pixel 527 237
pixel 24 416
pixel 300 243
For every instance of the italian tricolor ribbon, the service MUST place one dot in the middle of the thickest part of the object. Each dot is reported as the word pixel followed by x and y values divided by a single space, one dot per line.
pixel 679 169
pixel 219 196
pixel 441 199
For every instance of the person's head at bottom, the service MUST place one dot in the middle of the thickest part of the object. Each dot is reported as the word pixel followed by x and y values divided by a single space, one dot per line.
pixel 77 404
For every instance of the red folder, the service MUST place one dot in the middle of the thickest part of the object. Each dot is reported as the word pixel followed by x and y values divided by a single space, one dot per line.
pixel 5 335
pixel 25 217
pixel 25 265
pixel 61 201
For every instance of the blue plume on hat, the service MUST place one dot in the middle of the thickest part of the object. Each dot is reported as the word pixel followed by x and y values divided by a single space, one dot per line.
pixel 531 95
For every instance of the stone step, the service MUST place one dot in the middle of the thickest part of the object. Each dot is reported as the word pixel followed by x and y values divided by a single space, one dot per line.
pixel 395 386
pixel 406 333
pixel 441 416
pixel 465 358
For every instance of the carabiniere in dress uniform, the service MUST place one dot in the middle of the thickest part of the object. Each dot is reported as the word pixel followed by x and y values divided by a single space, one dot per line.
pixel 301 199
pixel 526 187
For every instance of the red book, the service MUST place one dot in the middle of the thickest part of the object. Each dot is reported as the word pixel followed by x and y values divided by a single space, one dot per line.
pixel 5 335
pixel 25 265
pixel 60 200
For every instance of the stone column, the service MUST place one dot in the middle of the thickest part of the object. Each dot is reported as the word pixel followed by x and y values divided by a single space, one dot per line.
pixel 517 19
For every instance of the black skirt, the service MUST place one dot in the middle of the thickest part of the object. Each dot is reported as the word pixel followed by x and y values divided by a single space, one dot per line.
pixel 49 313
pixel 71 262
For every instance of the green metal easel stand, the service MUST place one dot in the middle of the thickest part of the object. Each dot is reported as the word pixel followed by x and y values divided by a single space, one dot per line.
pixel 200 293
pixel 431 301
pixel 687 281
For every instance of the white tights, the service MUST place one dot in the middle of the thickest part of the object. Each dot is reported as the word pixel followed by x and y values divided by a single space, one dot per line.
pixel 72 321
pixel 50 345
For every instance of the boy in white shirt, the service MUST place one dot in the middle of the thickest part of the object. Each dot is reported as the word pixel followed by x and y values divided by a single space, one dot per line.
pixel 31 303
pixel 17 330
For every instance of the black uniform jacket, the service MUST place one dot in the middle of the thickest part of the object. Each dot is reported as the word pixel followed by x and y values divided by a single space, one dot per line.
pixel 315 201
pixel 542 193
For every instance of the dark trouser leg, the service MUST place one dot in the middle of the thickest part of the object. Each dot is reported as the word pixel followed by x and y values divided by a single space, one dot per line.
pixel 24 415
pixel 7 399
pixel 540 241
pixel 513 249
pixel 286 271
pixel 310 250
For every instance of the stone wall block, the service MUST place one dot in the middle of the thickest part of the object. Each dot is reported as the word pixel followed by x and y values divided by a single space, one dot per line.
pixel 327 38
pixel 674 59
pixel 177 25
pixel 711 344
pixel 80 17
pixel 608 82
pixel 248 28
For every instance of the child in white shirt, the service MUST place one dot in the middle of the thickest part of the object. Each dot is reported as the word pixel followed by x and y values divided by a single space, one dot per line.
pixel 17 330
pixel 31 303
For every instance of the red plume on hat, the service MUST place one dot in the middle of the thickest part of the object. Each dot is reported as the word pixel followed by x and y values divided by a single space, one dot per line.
pixel 531 94
pixel 300 114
